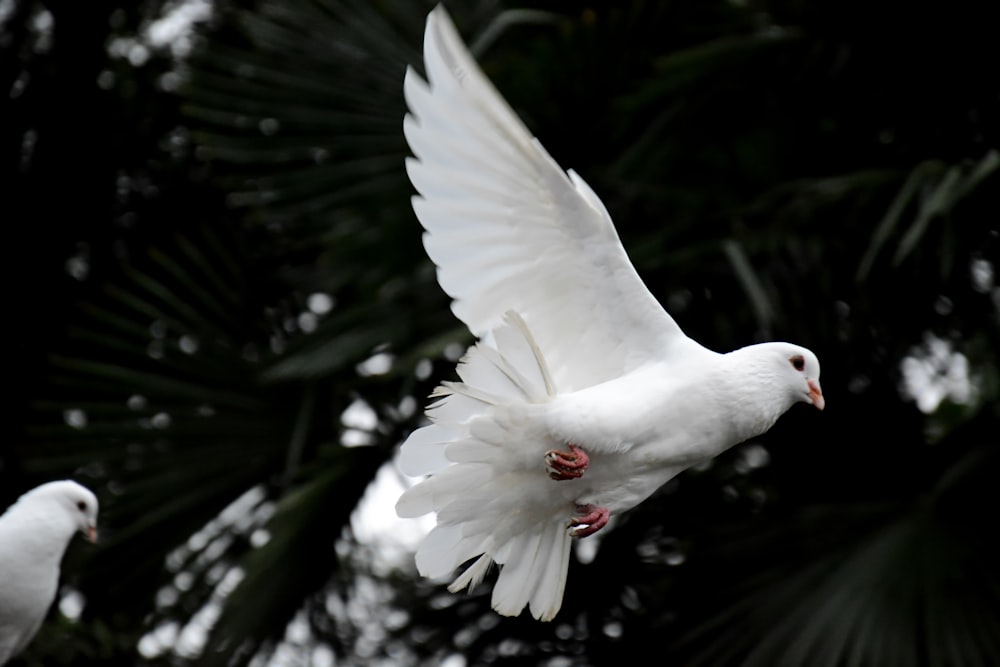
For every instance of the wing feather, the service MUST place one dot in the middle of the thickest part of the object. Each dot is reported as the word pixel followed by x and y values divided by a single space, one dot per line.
pixel 509 229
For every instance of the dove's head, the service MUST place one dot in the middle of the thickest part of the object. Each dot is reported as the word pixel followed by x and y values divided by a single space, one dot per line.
pixel 797 369
pixel 73 501
pixel 787 372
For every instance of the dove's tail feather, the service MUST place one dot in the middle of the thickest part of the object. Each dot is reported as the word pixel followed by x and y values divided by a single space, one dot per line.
pixel 486 473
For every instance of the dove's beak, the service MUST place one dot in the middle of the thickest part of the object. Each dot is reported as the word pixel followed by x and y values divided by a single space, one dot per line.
pixel 92 533
pixel 816 394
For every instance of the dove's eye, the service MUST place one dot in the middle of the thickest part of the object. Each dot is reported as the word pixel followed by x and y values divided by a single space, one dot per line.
pixel 798 363
pixel 81 505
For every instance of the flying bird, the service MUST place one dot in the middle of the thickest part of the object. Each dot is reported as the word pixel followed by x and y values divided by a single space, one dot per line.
pixel 582 395
pixel 34 534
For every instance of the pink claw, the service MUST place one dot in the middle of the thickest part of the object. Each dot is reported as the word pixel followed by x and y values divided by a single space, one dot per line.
pixel 590 520
pixel 560 465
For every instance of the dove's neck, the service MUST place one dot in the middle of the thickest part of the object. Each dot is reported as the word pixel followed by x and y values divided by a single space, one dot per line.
pixel 754 392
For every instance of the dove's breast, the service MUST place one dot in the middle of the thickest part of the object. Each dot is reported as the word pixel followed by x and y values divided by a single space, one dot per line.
pixel 640 431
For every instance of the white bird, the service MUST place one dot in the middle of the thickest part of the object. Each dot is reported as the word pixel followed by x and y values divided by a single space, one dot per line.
pixel 582 395
pixel 34 534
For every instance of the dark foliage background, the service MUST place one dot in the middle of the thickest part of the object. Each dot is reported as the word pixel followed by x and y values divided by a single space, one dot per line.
pixel 213 258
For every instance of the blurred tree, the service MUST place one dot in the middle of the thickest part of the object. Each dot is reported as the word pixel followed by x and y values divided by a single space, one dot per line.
pixel 226 322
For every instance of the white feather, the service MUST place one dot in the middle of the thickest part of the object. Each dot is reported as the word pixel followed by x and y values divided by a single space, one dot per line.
pixel 426 451
pixel 473 575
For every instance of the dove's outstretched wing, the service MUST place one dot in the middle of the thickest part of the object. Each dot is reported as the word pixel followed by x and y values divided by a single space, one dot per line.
pixel 510 230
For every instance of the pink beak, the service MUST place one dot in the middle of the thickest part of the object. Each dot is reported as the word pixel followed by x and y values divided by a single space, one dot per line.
pixel 92 534
pixel 816 394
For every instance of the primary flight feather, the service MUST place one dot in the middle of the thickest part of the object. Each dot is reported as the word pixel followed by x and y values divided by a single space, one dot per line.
pixel 582 395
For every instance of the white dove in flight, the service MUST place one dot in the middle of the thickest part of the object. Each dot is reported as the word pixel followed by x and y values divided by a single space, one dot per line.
pixel 34 533
pixel 582 395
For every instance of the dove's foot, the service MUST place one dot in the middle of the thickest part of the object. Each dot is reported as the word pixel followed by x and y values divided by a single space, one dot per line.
pixel 589 520
pixel 560 465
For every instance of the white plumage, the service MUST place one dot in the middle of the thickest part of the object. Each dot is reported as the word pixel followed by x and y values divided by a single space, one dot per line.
pixel 583 395
pixel 34 534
